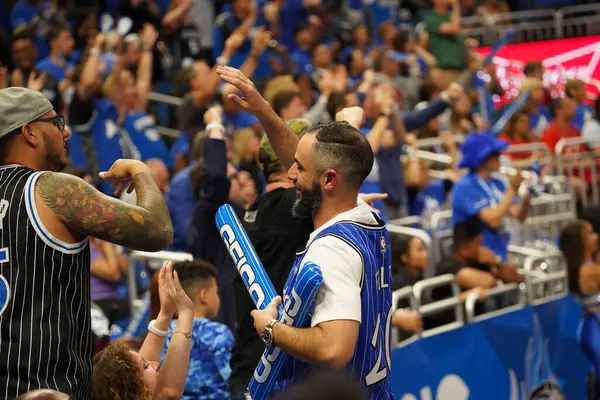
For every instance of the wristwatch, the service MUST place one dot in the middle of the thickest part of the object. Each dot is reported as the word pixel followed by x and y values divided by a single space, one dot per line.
pixel 267 334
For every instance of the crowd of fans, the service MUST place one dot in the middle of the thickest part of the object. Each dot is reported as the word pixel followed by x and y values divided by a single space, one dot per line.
pixel 310 60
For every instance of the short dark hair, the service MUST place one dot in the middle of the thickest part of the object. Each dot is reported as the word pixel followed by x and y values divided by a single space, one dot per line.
pixel 283 99
pixel 532 66
pixel 23 35
pixel 55 32
pixel 400 245
pixel 466 231
pixel 194 273
pixel 326 385
pixel 556 105
pixel 344 148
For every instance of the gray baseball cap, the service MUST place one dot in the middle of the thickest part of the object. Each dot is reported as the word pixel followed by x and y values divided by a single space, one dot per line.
pixel 19 106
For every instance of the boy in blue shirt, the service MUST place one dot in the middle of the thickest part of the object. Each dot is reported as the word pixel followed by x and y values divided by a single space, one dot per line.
pixel 212 342
pixel 61 46
pixel 481 195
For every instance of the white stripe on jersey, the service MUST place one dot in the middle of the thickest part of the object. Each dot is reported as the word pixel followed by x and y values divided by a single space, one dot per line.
pixel 15 297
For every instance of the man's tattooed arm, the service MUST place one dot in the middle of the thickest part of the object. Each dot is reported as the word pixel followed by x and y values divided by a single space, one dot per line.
pixel 145 226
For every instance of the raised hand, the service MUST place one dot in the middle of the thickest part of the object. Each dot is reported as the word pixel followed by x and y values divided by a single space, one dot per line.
pixel 515 180
pixel 149 36
pixel 213 115
pixel 251 101
pixel 167 306
pixel 260 41
pixel 36 82
pixel 235 41
pixel 99 40
pixel 353 115
pixel 176 293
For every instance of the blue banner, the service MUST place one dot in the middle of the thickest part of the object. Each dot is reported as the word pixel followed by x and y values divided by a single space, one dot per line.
pixel 502 358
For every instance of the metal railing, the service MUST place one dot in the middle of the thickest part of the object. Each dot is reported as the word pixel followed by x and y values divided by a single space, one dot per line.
pixel 451 303
pixel 534 25
pixel 578 161
pixel 545 278
pixel 405 293
pixel 498 291
pixel 155 261
pixel 579 20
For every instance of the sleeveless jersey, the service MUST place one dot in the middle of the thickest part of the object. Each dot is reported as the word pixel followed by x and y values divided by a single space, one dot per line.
pixel 45 331
pixel 141 128
pixel 370 366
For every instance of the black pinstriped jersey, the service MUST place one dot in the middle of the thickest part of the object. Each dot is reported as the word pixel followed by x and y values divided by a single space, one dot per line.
pixel 45 332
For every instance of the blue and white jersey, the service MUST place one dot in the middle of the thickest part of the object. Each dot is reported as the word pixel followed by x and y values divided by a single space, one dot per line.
pixel 106 139
pixel 141 128
pixel 353 253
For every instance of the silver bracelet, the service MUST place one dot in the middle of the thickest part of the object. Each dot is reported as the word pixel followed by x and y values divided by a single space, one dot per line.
pixel 157 331
pixel 215 125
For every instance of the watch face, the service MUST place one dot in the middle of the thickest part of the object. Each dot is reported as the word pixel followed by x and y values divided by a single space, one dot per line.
pixel 266 337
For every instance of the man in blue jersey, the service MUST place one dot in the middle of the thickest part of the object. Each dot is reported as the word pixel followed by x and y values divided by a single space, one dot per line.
pixel 351 319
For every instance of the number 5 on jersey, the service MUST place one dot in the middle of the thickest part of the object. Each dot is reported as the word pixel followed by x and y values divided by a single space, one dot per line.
pixel 3 211
pixel 4 289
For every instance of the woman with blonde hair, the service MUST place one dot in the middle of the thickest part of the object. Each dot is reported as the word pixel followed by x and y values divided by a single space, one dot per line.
pixel 121 373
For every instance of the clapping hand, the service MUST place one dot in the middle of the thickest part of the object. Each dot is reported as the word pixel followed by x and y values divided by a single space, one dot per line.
pixel 260 41
pixel 172 296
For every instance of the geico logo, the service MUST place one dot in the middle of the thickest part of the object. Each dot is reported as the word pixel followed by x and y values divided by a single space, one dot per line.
pixel 263 369
pixel 241 263
pixel 291 307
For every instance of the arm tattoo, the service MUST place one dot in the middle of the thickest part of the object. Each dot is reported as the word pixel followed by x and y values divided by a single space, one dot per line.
pixel 145 226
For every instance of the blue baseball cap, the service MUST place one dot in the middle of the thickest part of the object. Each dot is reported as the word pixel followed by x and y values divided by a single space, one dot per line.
pixel 477 147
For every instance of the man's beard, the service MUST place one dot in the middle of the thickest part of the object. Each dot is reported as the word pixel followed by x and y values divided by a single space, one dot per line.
pixel 309 202
pixel 54 160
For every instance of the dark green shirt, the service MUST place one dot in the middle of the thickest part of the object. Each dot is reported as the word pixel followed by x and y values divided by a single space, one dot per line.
pixel 448 49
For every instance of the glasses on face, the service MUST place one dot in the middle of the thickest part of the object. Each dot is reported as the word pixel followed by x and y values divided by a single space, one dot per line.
pixel 58 121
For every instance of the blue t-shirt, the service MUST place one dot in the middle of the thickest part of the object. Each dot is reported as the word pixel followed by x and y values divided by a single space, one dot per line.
pixel 58 71
pixel 241 120
pixel 181 203
pixel 302 61
pixel 292 15
pixel 429 200
pixel 539 120
pixel 141 128
pixel 106 136
pixel 209 368
pixel 181 146
pixel 583 112
pixel 378 11
pixel 470 195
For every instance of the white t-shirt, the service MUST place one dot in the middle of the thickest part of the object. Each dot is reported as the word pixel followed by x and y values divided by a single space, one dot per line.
pixel 342 269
